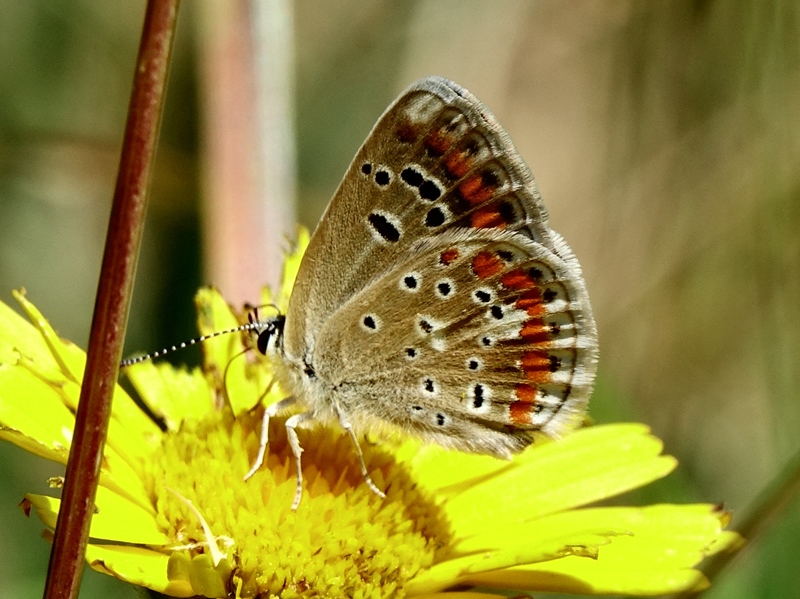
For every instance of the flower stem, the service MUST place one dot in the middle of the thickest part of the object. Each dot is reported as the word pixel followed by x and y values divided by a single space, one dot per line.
pixel 124 236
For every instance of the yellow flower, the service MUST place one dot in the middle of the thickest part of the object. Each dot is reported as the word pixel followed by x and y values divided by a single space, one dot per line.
pixel 173 512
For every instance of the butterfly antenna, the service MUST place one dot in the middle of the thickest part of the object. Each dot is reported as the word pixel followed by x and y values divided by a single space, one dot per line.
pixel 254 323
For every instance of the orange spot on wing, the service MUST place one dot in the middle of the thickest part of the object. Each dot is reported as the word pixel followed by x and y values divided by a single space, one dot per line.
pixel 531 302
pixel 486 264
pixel 521 412
pixel 457 164
pixel 536 366
pixel 517 279
pixel 437 142
pixel 525 393
pixel 447 257
pixel 534 331
pixel 475 191
pixel 487 218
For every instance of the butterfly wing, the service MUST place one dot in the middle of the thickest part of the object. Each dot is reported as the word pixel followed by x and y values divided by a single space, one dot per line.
pixel 438 196
pixel 435 160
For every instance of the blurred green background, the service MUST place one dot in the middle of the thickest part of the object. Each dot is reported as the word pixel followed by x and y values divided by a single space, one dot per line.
pixel 665 138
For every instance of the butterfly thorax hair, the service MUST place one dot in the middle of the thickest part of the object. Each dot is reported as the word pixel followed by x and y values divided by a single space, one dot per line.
pixel 296 377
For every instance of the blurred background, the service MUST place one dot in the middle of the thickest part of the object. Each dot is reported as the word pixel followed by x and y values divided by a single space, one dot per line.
pixel 665 138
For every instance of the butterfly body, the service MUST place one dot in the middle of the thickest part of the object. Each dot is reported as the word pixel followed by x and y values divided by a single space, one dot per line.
pixel 434 297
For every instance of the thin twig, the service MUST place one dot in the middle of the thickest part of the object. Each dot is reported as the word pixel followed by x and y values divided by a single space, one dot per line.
pixel 113 301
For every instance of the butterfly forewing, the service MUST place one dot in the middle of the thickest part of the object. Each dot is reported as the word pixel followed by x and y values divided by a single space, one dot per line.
pixel 436 159
pixel 434 295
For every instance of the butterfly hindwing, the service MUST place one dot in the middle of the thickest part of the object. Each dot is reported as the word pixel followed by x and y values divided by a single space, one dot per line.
pixel 477 337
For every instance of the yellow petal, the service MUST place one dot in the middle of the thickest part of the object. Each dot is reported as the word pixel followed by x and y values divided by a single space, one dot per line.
pixel 446 471
pixel 33 416
pixel 130 442
pixel 17 336
pixel 291 266
pixel 536 550
pixel 139 566
pixel 173 395
pixel 31 409
pixel 116 518
pixel 657 557
pixel 589 465
pixel 226 368
pixel 33 446
pixel 240 382
pixel 72 361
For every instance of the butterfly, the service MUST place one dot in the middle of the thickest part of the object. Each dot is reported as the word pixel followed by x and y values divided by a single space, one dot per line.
pixel 434 297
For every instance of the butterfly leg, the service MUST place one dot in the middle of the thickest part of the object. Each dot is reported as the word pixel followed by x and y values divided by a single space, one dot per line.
pixel 270 411
pixel 291 424
pixel 349 428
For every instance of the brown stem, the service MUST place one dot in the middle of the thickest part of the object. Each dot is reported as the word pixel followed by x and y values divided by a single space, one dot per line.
pixel 125 228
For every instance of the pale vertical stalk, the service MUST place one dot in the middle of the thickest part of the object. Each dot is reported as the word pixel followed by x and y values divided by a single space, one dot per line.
pixel 248 152
pixel 273 47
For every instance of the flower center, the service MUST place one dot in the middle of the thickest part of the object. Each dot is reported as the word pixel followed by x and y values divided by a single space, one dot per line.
pixel 342 541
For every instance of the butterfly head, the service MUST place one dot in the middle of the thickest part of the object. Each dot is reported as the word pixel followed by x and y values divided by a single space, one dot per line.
pixel 269 333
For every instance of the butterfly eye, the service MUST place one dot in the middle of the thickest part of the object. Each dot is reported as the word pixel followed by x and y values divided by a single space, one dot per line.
pixel 262 343
pixel 269 337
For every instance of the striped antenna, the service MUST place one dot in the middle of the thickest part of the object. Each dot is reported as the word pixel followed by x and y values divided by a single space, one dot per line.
pixel 252 325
